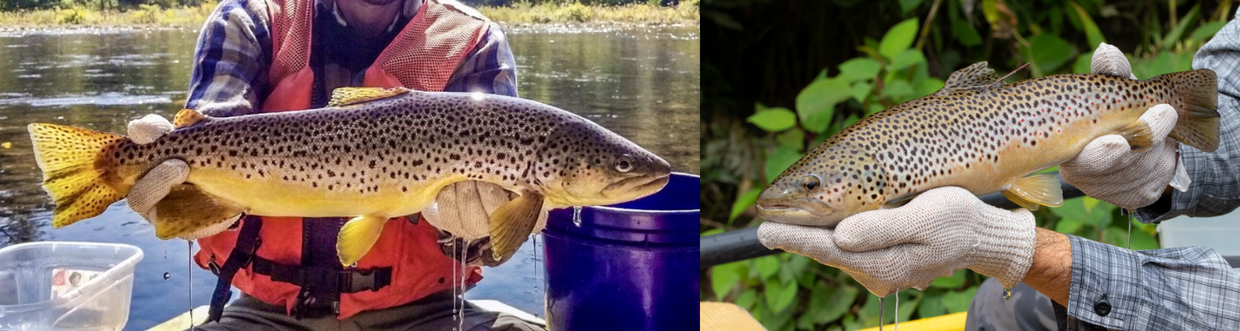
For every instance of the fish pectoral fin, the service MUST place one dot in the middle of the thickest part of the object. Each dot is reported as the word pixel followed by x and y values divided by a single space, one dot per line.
pixel 357 236
pixel 1138 135
pixel 513 223
pixel 974 77
pixel 187 117
pixel 188 212
pixel 345 96
pixel 1029 192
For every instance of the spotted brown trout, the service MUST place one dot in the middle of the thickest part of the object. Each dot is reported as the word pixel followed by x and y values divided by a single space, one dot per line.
pixel 372 153
pixel 985 137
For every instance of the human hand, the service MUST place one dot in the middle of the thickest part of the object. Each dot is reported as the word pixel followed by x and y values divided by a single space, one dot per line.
pixel 1109 169
pixel 156 183
pixel 942 230
pixel 464 209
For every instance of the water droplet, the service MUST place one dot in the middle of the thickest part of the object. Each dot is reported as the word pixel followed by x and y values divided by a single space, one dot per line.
pixel 1007 294
pixel 577 215
pixel 167 275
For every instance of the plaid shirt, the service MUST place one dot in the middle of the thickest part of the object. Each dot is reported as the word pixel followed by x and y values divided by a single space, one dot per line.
pixel 234 53
pixel 1185 288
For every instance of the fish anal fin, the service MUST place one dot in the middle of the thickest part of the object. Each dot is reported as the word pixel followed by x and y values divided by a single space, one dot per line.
pixel 1032 191
pixel 357 236
pixel 513 223
pixel 188 212
pixel 1138 135
pixel 974 77
pixel 345 96
pixel 187 117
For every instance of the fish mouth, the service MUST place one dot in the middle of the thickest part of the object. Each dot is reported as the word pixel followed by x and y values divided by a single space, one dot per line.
pixel 644 185
pixel 799 211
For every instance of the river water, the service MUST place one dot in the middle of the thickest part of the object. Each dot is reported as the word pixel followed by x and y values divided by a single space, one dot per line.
pixel 642 83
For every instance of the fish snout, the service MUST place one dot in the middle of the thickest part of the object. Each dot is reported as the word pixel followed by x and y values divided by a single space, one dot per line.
pixel 781 205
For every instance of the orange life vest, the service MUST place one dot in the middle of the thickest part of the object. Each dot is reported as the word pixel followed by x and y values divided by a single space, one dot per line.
pixel 423 56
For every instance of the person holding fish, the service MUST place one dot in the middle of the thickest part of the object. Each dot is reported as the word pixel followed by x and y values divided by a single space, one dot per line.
pixel 1170 167
pixel 259 56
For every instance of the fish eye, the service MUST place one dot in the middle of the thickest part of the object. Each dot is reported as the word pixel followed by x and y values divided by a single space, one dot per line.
pixel 624 164
pixel 810 182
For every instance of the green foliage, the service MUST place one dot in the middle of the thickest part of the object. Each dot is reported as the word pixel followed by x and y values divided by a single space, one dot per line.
pixel 843 60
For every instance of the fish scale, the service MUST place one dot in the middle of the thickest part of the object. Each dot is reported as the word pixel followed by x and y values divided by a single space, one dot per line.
pixel 373 152
pixel 984 139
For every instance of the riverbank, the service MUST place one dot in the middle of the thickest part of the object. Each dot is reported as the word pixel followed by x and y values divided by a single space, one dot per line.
pixel 146 16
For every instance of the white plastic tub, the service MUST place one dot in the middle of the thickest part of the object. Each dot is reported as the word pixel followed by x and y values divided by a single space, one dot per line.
pixel 1219 233
pixel 66 285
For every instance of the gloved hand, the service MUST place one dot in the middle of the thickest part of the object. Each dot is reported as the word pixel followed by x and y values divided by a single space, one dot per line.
pixel 1109 170
pixel 940 231
pixel 156 183
pixel 464 209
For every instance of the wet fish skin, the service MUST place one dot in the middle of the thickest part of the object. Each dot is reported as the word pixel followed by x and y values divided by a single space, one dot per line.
pixel 378 154
pixel 983 139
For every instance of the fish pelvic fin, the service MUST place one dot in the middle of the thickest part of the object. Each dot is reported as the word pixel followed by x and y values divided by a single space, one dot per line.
pixel 188 212
pixel 78 170
pixel 357 237
pixel 1032 191
pixel 513 223
pixel 1197 107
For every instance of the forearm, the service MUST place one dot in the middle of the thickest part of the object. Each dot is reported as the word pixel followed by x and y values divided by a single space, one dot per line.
pixel 1051 271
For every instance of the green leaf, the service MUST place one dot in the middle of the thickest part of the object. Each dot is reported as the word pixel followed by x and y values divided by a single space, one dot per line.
pixel 874 109
pixel 860 68
pixel 1083 63
pixel 862 90
pixel 1091 30
pixel 852 118
pixel 780 295
pixel 838 304
pixel 796 263
pixel 816 103
pixel 932 305
pixel 927 86
pixel 1073 209
pixel 1174 35
pixel 1141 239
pixel 1068 225
pixel 949 282
pixel 959 301
pixel 781 159
pixel 1050 52
pixel 773 119
pixel 725 276
pixel 898 90
pixel 899 38
pixel 966 33
pixel 1207 31
pixel 743 202
pixel 907 5
pixel 907 58
pixel 747 299
pixel 792 138
pixel 908 303
pixel 767 266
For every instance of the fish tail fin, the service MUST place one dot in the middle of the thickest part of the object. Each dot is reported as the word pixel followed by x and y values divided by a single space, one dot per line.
pixel 76 165
pixel 1197 107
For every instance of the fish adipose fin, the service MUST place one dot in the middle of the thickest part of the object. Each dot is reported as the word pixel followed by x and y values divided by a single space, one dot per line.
pixel 1032 191
pixel 974 77
pixel 513 223
pixel 1197 106
pixel 357 237
pixel 345 96
pixel 187 117
pixel 188 212
pixel 76 168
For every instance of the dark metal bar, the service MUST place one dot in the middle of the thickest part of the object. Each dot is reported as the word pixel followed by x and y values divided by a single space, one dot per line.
pixel 743 244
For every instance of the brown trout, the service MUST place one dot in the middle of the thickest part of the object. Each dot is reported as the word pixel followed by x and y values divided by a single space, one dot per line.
pixel 372 153
pixel 985 138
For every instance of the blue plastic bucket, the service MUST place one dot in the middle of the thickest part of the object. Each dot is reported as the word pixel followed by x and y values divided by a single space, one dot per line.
pixel 632 266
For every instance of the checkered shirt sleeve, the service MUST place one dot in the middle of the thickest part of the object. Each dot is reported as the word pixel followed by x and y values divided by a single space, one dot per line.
pixel 1184 288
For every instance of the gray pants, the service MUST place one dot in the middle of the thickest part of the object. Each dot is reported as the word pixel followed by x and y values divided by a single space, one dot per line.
pixel 1027 310
pixel 432 313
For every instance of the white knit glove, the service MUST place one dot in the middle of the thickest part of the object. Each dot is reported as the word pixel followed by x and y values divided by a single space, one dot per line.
pixel 942 230
pixel 1109 170
pixel 464 209
pixel 155 184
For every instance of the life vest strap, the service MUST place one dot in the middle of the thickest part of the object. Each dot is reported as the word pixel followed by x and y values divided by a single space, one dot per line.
pixel 323 279
pixel 243 252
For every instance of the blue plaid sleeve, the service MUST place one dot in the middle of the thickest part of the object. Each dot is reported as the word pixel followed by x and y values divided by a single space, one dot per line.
pixel 231 59
pixel 1215 187
pixel 490 68
pixel 1183 288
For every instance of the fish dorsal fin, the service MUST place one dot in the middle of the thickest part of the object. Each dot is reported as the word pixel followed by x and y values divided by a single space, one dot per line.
pixel 187 117
pixel 973 77
pixel 345 96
